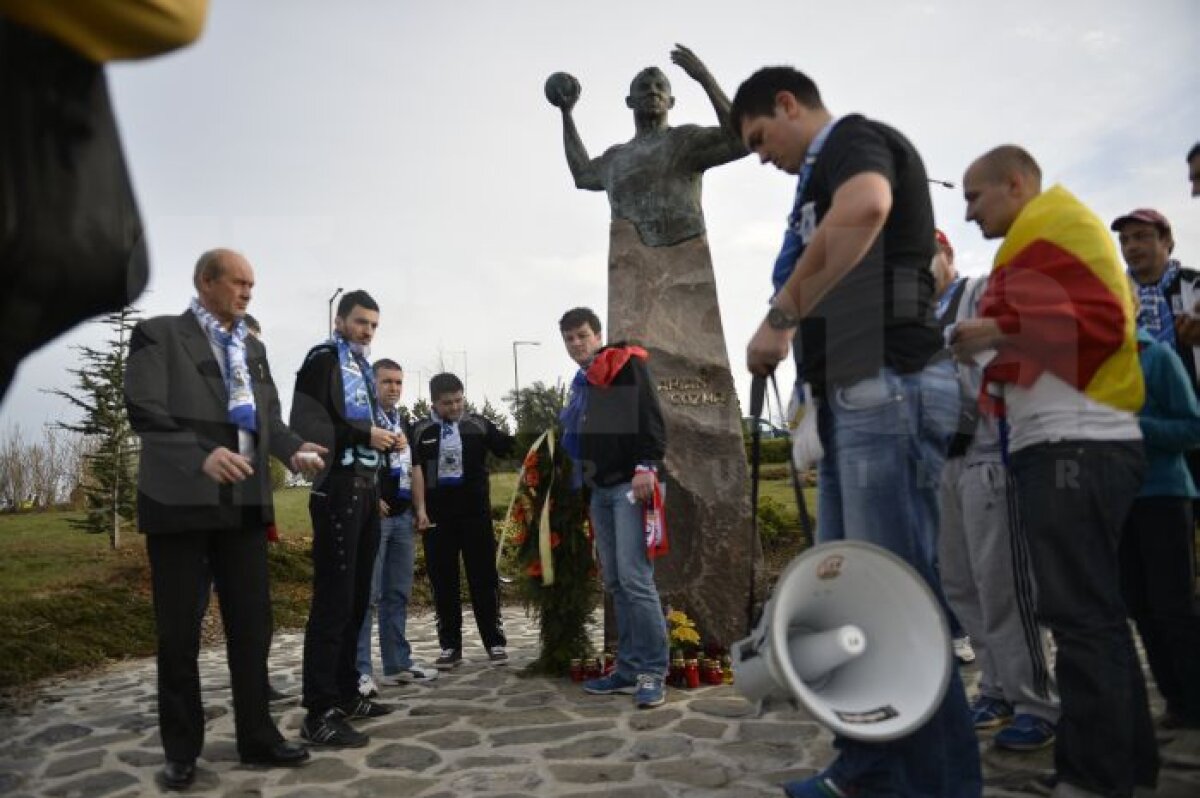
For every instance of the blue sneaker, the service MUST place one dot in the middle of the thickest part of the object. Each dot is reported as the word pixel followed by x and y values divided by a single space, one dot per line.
pixel 1025 733
pixel 612 683
pixel 651 692
pixel 988 712
pixel 818 786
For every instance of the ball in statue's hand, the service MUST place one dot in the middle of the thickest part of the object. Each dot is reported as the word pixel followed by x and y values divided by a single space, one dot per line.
pixel 562 89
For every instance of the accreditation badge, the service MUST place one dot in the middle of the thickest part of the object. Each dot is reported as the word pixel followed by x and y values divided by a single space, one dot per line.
pixel 808 222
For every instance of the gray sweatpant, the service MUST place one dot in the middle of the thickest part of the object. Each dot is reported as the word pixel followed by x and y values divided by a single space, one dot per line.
pixel 987 579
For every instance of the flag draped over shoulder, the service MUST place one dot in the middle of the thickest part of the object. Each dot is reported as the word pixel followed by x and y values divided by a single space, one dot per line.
pixel 1058 292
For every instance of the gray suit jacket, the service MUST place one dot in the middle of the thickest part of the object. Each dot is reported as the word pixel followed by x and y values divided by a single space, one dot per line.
pixel 177 403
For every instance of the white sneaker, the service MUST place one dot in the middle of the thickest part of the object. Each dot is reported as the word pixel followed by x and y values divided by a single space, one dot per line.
pixel 411 674
pixel 366 686
pixel 963 651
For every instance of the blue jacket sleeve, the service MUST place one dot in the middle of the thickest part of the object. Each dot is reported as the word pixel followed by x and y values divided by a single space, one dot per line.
pixel 1170 420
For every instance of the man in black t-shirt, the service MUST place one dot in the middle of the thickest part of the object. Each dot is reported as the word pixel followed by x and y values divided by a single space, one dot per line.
pixel 451 448
pixel 860 291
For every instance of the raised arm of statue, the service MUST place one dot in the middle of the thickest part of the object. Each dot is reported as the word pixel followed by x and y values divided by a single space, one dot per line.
pixel 562 91
pixel 709 146
pixel 690 63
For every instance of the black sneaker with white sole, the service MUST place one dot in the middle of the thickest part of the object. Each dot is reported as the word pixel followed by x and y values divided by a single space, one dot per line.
pixel 331 729
pixel 413 673
pixel 450 659
pixel 497 655
pixel 359 707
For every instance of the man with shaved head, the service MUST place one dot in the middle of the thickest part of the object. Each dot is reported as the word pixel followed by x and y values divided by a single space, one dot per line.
pixel 1057 341
pixel 200 395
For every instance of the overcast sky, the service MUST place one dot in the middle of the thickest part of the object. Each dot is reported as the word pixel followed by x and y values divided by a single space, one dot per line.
pixel 406 148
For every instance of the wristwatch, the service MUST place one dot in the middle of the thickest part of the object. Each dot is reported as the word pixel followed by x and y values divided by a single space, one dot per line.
pixel 781 320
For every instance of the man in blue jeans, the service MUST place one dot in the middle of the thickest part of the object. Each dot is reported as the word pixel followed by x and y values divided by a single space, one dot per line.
pixel 613 429
pixel 401 513
pixel 854 278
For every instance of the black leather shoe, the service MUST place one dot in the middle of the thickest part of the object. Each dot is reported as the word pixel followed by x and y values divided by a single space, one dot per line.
pixel 281 755
pixel 178 775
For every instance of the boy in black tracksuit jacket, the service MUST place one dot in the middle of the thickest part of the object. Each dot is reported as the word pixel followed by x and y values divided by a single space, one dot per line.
pixel 458 502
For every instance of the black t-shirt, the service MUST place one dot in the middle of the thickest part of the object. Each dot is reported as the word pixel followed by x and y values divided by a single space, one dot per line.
pixel 881 313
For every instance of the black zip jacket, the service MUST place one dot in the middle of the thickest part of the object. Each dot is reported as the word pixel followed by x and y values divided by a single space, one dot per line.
pixel 622 427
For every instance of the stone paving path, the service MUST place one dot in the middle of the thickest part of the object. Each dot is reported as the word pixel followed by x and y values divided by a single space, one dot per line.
pixel 478 731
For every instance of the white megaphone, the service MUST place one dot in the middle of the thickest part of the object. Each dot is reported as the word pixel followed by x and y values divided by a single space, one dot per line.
pixel 855 635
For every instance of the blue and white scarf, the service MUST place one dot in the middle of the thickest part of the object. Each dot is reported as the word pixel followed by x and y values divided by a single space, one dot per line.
pixel 802 221
pixel 450 452
pixel 571 418
pixel 237 372
pixel 1155 315
pixel 358 383
pixel 399 463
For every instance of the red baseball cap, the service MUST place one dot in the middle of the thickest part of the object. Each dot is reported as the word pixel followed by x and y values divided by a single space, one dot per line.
pixel 1146 215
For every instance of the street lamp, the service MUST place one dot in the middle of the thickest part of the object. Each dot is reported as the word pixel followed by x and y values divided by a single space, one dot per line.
pixel 466 381
pixel 517 379
pixel 335 296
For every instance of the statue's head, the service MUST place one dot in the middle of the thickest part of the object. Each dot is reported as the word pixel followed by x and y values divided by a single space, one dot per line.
pixel 650 93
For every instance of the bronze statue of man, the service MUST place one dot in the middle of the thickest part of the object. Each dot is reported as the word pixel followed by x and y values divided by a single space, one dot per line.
pixel 662 295
pixel 653 180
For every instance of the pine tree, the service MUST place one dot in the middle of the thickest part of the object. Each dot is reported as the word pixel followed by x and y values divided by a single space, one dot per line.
pixel 110 492
pixel 494 415
pixel 536 410
pixel 420 410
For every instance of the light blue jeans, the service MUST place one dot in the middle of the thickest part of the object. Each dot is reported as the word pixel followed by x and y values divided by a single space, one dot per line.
pixel 391 587
pixel 885 441
pixel 629 578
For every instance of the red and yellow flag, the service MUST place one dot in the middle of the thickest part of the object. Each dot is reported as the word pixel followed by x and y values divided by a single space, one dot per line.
pixel 1058 292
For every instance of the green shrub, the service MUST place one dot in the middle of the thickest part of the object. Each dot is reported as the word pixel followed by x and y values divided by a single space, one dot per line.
pixel 773 450
pixel 778 526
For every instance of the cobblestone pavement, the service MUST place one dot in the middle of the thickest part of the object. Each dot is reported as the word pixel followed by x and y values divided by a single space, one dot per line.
pixel 478 731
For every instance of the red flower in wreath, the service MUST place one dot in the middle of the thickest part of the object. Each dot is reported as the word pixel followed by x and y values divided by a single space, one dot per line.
pixel 531 461
pixel 518 513
pixel 532 478
pixel 520 537
pixel 535 569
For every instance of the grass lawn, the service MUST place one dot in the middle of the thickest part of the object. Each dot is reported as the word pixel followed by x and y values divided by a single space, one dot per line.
pixel 68 601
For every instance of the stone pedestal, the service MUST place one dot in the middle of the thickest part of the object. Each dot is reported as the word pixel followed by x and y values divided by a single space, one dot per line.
pixel 665 299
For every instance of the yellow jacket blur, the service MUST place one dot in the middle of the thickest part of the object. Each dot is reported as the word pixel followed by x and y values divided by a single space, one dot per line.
pixel 112 30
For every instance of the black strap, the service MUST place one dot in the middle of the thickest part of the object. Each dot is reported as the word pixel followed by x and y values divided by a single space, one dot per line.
pixel 758 391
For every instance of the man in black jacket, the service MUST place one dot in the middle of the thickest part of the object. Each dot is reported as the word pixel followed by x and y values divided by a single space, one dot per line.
pixel 451 448
pixel 613 429
pixel 200 396
pixel 335 403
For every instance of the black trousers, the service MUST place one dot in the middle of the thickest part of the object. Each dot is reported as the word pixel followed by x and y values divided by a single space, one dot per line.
pixel 472 539
pixel 345 519
pixel 180 564
pixel 1158 582
pixel 1074 497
